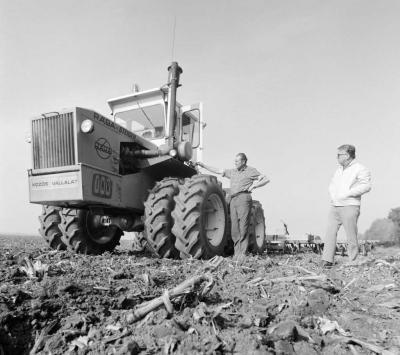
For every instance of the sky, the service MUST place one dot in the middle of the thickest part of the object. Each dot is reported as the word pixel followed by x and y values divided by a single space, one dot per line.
pixel 286 82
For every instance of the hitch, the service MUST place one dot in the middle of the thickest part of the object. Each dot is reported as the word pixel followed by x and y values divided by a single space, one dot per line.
pixel 126 223
pixel 105 221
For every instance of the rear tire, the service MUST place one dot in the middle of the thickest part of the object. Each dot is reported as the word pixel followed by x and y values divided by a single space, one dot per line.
pixel 83 233
pixel 257 236
pixel 158 220
pixel 200 218
pixel 49 230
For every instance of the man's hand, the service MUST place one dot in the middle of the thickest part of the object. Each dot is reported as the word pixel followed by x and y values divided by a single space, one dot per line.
pixel 199 163
pixel 261 181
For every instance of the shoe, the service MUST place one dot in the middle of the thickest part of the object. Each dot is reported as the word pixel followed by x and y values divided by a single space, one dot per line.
pixel 327 265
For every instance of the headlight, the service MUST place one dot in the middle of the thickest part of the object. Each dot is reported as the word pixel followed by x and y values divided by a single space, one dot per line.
pixel 173 153
pixel 87 126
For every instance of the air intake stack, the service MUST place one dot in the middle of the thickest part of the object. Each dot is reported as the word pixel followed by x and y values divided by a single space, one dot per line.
pixel 174 72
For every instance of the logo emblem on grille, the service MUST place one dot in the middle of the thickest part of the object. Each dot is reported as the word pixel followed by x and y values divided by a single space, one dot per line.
pixel 103 148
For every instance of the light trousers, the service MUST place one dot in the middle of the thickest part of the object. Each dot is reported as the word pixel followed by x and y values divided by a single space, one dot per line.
pixel 338 216
pixel 240 208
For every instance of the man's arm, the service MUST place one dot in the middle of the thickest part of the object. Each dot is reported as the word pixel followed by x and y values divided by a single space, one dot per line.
pixel 210 168
pixel 363 184
pixel 260 181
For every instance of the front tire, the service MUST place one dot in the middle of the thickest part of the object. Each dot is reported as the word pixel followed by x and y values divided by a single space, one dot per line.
pixel 200 218
pixel 158 220
pixel 49 230
pixel 83 233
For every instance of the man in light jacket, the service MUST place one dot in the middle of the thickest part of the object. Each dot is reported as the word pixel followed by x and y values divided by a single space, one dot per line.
pixel 350 181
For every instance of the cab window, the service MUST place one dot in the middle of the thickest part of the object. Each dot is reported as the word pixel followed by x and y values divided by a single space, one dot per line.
pixel 190 127
pixel 146 121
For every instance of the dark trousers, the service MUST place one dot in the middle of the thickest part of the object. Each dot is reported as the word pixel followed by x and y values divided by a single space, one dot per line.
pixel 240 208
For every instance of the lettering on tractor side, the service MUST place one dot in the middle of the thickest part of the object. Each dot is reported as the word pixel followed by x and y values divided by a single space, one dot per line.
pixel 112 126
pixel 104 120
pixel 101 186
pixel 40 184
pixel 62 182
pixel 103 148
pixel 54 182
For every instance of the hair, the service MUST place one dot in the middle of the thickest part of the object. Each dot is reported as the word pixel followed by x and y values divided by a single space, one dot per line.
pixel 242 156
pixel 349 149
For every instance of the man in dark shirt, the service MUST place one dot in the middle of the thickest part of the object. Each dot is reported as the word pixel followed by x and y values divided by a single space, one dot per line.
pixel 244 179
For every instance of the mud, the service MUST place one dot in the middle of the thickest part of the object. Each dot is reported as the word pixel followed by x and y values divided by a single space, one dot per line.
pixel 270 304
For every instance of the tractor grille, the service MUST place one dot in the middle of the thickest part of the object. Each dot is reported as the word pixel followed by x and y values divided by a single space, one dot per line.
pixel 53 141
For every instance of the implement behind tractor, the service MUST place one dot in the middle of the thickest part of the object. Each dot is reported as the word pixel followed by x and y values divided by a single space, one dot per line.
pixel 97 177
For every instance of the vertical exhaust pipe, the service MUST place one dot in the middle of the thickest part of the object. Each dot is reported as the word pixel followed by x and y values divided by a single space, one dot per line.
pixel 174 72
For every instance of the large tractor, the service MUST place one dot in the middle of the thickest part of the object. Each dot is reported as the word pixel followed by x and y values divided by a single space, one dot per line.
pixel 97 177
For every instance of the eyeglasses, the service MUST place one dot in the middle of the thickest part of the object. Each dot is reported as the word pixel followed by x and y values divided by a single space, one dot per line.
pixel 341 154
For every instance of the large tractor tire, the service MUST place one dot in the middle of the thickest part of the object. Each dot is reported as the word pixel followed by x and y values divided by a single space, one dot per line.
pixel 158 220
pixel 257 236
pixel 49 230
pixel 83 233
pixel 200 218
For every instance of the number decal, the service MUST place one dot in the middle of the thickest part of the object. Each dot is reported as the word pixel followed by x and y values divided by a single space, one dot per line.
pixel 101 186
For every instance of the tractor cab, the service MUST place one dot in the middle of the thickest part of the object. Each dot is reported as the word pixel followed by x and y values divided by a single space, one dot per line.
pixel 146 114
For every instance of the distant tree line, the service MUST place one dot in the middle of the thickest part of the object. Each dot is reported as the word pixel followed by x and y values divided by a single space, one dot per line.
pixel 385 229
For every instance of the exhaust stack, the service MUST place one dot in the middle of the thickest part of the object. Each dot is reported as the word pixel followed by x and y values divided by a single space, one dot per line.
pixel 174 72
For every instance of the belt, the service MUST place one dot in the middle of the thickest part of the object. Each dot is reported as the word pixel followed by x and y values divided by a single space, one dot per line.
pixel 241 192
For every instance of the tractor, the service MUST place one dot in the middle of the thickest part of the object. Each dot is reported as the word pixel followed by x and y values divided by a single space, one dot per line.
pixel 97 177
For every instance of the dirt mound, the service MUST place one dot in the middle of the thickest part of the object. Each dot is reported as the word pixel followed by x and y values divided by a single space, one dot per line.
pixel 127 303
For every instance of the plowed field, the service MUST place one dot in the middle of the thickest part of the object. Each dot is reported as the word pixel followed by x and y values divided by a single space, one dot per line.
pixel 269 304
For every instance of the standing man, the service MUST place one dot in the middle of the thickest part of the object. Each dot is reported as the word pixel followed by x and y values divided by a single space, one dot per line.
pixel 350 181
pixel 244 179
